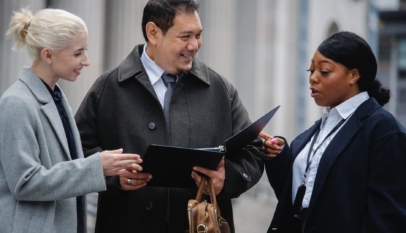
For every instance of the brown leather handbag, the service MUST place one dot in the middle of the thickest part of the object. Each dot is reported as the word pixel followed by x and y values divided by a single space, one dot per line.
pixel 205 217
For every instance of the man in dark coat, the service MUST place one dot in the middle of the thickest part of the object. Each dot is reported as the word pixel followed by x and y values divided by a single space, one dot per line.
pixel 125 109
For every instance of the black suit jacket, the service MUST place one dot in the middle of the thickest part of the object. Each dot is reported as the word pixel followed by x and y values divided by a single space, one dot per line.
pixel 361 180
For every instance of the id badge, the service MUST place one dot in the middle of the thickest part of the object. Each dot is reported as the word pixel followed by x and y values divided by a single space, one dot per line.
pixel 297 204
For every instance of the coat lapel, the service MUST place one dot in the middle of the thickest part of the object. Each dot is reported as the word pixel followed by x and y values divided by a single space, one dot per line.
pixel 52 114
pixel 302 140
pixel 132 67
pixel 49 109
pixel 333 150
pixel 338 145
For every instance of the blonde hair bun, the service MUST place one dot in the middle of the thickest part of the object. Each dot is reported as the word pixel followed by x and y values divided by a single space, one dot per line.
pixel 48 28
pixel 19 27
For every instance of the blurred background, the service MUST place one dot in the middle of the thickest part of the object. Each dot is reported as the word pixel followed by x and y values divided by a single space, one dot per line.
pixel 263 47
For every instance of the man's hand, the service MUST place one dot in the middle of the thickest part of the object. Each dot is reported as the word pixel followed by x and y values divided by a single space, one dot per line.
pixel 218 176
pixel 132 180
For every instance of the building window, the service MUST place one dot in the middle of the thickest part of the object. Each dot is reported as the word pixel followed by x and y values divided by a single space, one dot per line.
pixel 403 5
pixel 402 58
pixel 385 46
pixel 402 95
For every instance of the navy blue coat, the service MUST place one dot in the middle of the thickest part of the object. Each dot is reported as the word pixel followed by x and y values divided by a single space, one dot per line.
pixel 361 180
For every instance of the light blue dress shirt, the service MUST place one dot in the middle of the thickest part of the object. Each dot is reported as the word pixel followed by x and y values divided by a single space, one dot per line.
pixel 154 73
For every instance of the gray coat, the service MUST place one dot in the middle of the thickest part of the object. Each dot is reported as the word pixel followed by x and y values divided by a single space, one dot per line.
pixel 122 110
pixel 38 181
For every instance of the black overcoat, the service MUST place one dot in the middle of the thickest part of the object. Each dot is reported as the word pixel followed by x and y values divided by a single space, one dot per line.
pixel 121 110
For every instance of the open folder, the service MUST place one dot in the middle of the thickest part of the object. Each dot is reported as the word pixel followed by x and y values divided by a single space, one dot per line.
pixel 172 166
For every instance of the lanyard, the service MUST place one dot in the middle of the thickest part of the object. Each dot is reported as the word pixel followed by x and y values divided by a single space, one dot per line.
pixel 301 190
pixel 314 141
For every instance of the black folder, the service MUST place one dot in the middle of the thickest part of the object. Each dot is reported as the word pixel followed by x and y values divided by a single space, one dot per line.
pixel 172 166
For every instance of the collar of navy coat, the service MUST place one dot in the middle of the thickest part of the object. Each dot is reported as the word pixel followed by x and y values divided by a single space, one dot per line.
pixel 40 92
pixel 337 145
pixel 127 69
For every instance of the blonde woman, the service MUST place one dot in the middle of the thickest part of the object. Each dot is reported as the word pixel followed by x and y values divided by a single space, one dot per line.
pixel 43 175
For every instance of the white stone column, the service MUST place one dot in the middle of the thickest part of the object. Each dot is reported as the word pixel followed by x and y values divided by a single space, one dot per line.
pixel 253 44
pixel 11 62
pixel 218 47
pixel 123 29
pixel 245 32
pixel 264 52
pixel 93 14
pixel 284 62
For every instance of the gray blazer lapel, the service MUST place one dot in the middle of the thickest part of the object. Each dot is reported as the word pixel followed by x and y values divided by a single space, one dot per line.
pixel 52 114
pixel 49 109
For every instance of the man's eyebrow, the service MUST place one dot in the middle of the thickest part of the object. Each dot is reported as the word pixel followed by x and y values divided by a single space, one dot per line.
pixel 190 32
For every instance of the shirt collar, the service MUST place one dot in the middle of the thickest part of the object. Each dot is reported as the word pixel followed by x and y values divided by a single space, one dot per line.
pixel 346 108
pixel 56 93
pixel 153 70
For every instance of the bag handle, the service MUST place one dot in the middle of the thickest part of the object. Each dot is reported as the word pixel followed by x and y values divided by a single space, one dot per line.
pixel 213 199
pixel 199 193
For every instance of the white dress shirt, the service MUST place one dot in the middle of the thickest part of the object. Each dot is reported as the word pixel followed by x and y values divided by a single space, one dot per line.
pixel 330 118
pixel 154 73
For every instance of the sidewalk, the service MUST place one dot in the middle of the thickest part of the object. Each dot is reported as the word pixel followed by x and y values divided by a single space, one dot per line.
pixel 253 214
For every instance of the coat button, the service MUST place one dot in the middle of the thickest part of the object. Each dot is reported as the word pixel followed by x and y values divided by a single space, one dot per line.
pixel 149 206
pixel 151 125
pixel 245 175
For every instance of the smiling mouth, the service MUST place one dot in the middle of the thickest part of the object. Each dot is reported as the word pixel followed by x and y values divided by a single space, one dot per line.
pixel 77 71
pixel 186 56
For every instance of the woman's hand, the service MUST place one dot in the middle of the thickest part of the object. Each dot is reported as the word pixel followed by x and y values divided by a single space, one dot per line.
pixel 272 146
pixel 114 162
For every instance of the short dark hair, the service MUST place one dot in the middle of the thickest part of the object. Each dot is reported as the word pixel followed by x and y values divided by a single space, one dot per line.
pixel 353 52
pixel 163 12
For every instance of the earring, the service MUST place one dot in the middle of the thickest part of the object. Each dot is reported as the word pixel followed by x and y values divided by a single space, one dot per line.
pixel 49 62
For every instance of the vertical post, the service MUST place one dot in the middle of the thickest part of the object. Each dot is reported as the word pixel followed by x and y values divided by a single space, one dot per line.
pixel 11 62
pixel 93 14
pixel 393 77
